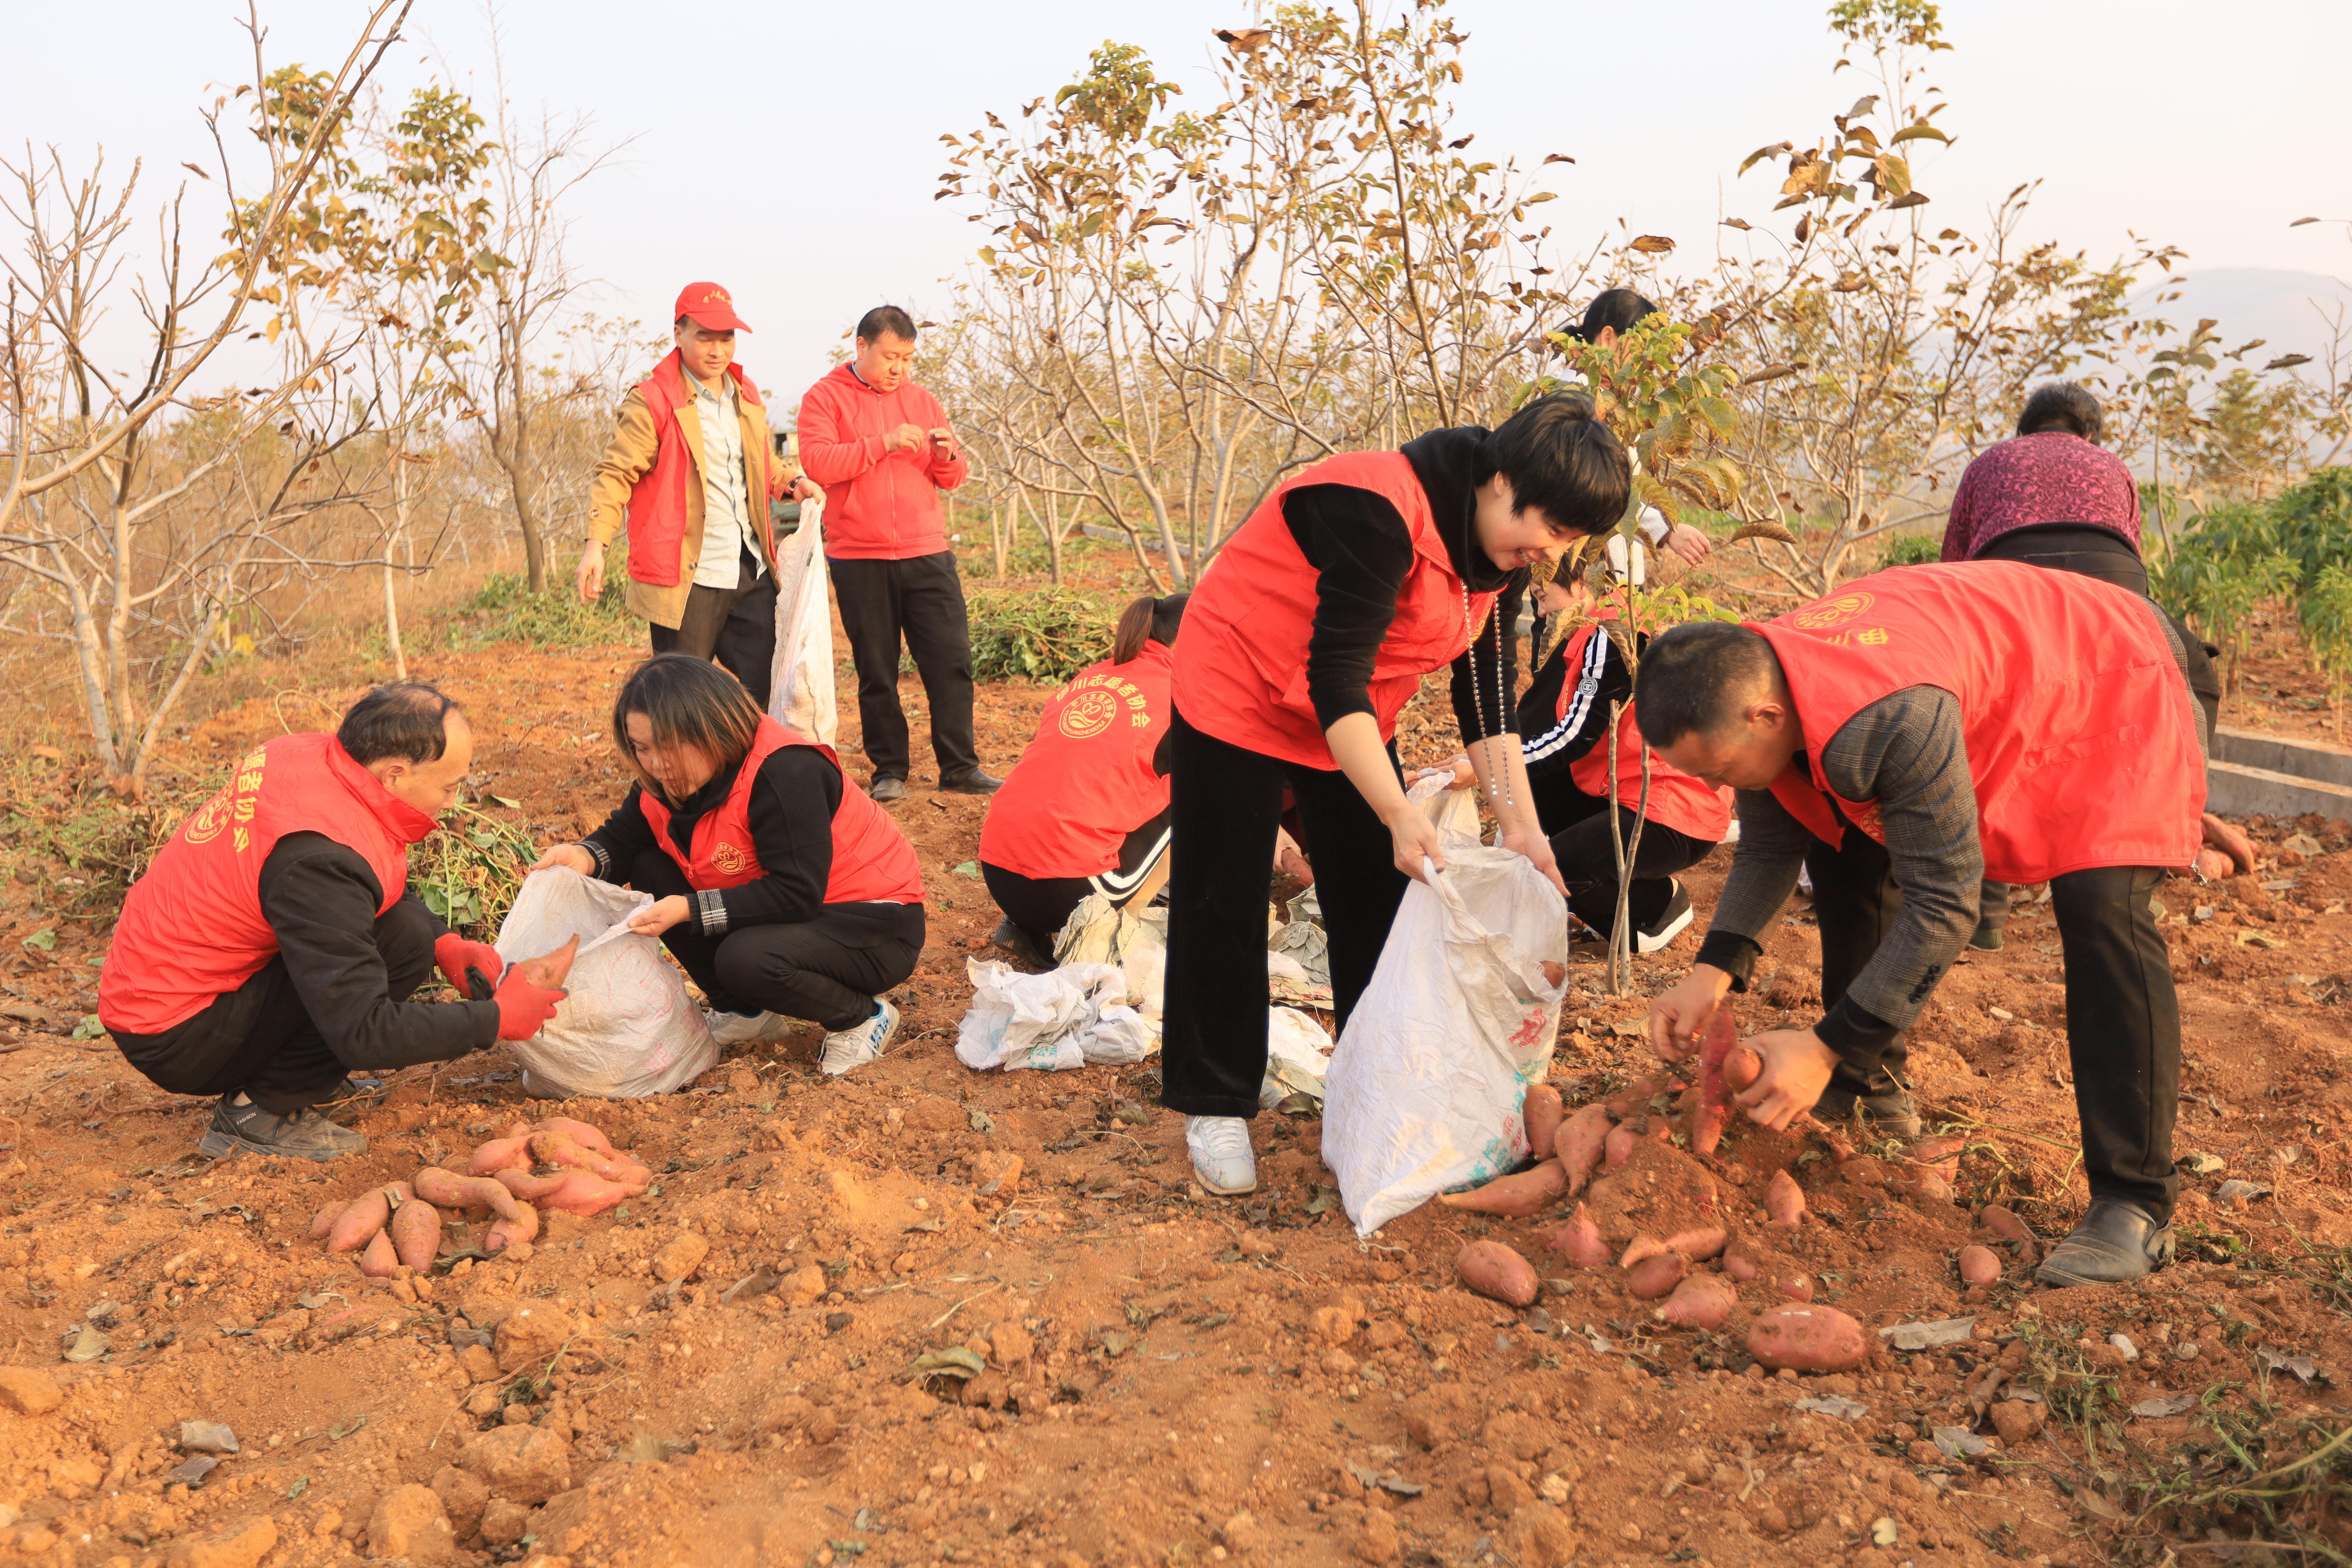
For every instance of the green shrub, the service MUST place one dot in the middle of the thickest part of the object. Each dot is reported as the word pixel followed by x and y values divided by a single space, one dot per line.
pixel 1036 634
pixel 1912 550
pixel 505 610
pixel 470 868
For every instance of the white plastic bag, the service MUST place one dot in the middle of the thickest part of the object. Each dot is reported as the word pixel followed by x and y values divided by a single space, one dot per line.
pixel 627 1027
pixel 1297 1057
pixel 1454 811
pixel 1064 1018
pixel 1426 1090
pixel 800 690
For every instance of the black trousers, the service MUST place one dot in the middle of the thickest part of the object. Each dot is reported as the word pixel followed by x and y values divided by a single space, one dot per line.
pixel 921 602
pixel 736 625
pixel 1041 905
pixel 1578 825
pixel 2123 1017
pixel 1225 803
pixel 828 970
pixel 258 1038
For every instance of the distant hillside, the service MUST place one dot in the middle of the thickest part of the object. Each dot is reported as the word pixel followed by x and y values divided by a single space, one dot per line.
pixel 2254 302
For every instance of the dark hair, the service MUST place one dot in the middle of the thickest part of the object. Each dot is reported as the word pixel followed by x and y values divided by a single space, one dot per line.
pixel 2062 405
pixel 1147 620
pixel 404 719
pixel 1693 677
pixel 1620 310
pixel 886 320
pixel 690 700
pixel 1562 460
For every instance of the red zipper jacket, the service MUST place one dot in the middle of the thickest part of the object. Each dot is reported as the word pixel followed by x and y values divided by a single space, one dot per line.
pixel 879 506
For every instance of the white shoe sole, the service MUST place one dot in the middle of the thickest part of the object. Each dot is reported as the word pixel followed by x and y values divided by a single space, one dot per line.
pixel 1209 1183
pixel 1650 941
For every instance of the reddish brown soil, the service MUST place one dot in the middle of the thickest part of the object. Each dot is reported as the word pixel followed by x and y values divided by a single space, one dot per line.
pixel 1170 1378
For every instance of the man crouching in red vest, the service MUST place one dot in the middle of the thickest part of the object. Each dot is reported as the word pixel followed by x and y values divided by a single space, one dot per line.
pixel 1916 733
pixel 273 944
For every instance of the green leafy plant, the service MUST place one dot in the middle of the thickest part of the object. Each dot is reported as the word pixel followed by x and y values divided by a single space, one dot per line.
pixel 2326 610
pixel 1036 634
pixel 468 871
pixel 1912 550
pixel 504 609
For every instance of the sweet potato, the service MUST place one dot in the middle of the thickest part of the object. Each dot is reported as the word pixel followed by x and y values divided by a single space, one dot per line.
pixel 580 1132
pixel 1634 1096
pixel 584 1193
pixel 1518 1197
pixel 516 1220
pixel 1979 1266
pixel 1710 1099
pixel 416 1232
pixel 1809 1339
pixel 1784 1201
pixel 556 1151
pixel 1741 1069
pixel 549 970
pixel 1542 1113
pixel 509 1228
pixel 1580 1240
pixel 359 1222
pixel 1495 1270
pixel 1617 1147
pixel 1793 1285
pixel 323 1222
pixel 1926 1183
pixel 510 1153
pixel 1578 1143
pixel 1741 1263
pixel 1935 1151
pixel 1697 1243
pixel 2004 1224
pixel 382 1260
pixel 1657 1275
pixel 1700 1301
pixel 530 1185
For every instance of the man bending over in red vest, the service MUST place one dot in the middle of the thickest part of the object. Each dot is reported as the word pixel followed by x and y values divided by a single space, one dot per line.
pixel 273 946
pixel 1918 731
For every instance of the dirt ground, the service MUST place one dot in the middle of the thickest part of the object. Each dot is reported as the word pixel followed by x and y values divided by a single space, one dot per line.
pixel 725 1371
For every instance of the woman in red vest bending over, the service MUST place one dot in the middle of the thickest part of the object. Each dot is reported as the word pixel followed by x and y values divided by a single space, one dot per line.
pixel 785 895
pixel 1085 811
pixel 1303 642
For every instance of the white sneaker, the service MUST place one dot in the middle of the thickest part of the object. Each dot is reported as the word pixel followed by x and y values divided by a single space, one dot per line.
pixel 744 1029
pixel 1670 924
pixel 860 1043
pixel 1221 1156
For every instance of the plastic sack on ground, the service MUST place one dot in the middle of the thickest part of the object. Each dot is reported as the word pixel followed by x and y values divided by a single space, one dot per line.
pixel 1099 931
pixel 800 690
pixel 1426 1089
pixel 1064 1018
pixel 627 1027
pixel 1297 1057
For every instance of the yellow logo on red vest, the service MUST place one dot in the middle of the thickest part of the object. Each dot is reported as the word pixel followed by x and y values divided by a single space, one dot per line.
pixel 1094 702
pixel 1832 612
pixel 726 860
pixel 234 803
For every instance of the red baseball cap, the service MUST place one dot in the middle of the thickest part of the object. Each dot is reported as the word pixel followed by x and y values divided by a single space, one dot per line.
pixel 710 307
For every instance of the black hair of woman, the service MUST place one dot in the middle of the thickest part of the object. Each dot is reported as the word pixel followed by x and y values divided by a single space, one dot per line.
pixel 686 701
pixel 2068 406
pixel 1619 310
pixel 1147 620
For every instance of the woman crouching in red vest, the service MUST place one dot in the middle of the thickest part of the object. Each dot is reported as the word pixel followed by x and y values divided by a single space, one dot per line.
pixel 785 895
pixel 1304 639
pixel 1085 811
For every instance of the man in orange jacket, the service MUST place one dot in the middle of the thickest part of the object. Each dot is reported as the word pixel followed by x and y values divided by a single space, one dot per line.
pixel 883 446
pixel 692 467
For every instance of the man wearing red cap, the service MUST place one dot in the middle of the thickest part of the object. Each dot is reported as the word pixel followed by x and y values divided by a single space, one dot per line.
pixel 691 467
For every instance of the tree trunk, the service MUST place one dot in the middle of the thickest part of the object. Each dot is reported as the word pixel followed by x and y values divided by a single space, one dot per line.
pixel 391 597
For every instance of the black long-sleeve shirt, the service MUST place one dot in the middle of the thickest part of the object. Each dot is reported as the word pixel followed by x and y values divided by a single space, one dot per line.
pixel 321 898
pixel 793 797
pixel 1361 551
pixel 1551 737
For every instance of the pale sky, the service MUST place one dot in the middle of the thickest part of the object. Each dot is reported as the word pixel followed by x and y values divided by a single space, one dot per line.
pixel 790 151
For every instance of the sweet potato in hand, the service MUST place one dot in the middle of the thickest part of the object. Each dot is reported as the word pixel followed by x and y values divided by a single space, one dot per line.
pixel 548 971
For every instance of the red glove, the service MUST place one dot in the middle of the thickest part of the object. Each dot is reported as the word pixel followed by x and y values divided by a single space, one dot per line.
pixel 467 964
pixel 524 1008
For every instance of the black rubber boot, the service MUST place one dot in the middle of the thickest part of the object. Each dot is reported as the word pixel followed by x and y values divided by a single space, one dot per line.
pixel 2117 1243
pixel 1017 943
pixel 1891 1113
pixel 304 1135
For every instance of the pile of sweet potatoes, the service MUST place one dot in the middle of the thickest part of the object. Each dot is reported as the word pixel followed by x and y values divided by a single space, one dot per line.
pixel 559 1164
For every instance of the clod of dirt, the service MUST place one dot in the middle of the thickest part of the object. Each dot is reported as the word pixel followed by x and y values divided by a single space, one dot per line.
pixel 462 1498
pixel 238 1546
pixel 504 1522
pixel 2017 1420
pixel 1540 1536
pixel 1010 1344
pixel 521 1464
pixel 680 1256
pixel 530 1337
pixel 409 1522
pixel 29 1390
pixel 1660 1191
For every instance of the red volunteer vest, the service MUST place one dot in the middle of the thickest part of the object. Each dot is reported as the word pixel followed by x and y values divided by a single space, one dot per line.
pixel 2081 742
pixel 871 858
pixel 1085 781
pixel 1676 800
pixel 192 928
pixel 657 501
pixel 1241 665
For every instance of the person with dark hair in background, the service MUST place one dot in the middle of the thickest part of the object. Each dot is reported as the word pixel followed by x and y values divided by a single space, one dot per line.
pixel 1085 809
pixel 1302 642
pixel 2051 496
pixel 1917 731
pixel 1620 310
pixel 785 894
pixel 272 946
pixel 691 467
pixel 883 446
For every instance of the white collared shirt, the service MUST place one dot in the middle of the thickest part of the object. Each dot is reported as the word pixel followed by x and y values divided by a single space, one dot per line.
pixel 726 507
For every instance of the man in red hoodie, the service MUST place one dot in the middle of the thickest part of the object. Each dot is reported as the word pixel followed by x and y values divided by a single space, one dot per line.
pixel 882 447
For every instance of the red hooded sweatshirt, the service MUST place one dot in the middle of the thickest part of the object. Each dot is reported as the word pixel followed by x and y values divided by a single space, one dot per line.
pixel 877 506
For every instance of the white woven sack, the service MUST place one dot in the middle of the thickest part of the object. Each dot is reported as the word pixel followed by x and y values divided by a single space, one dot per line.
pixel 800 688
pixel 1426 1090
pixel 628 1027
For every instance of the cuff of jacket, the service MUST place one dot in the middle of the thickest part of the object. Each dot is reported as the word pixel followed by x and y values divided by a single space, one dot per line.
pixel 710 910
pixel 1735 954
pixel 1855 1033
pixel 603 858
pixel 1330 707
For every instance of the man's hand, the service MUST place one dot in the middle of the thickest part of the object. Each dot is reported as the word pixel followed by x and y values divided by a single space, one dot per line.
pixel 1690 543
pixel 2222 836
pixel 462 963
pixel 524 1008
pixel 1679 1013
pixel 1797 1068
pixel 806 488
pixel 661 915
pixel 904 438
pixel 570 856
pixel 943 445
pixel 591 572
pixel 1531 843
pixel 1414 837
